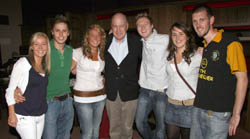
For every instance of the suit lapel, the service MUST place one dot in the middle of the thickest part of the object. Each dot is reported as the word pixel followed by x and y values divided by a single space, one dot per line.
pixel 129 48
pixel 109 41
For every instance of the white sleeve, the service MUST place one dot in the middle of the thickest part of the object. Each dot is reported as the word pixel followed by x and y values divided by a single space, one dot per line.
pixel 77 54
pixel 167 39
pixel 20 69
pixel 196 61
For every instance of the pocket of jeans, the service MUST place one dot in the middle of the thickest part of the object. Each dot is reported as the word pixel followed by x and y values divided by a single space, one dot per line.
pixel 142 90
pixel 50 101
pixel 165 90
pixel 20 119
pixel 76 104
pixel 71 99
pixel 223 116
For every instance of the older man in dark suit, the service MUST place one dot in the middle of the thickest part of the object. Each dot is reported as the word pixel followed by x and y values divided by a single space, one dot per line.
pixel 122 56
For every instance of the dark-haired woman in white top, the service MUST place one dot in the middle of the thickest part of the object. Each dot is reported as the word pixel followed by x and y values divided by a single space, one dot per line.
pixel 182 47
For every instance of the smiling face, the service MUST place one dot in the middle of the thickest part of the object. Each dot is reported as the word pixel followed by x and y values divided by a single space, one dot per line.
pixel 202 23
pixel 60 33
pixel 179 38
pixel 94 38
pixel 119 26
pixel 144 27
pixel 40 47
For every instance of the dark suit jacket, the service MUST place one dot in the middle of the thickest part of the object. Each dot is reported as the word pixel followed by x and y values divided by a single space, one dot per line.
pixel 123 77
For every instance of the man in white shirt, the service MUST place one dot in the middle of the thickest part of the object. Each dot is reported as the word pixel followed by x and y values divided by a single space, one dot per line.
pixel 153 78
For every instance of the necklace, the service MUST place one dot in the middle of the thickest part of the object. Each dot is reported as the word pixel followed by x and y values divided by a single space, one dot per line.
pixel 94 51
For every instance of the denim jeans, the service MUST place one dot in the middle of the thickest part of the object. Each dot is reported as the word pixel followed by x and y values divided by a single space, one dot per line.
pixel 208 124
pixel 148 101
pixel 59 119
pixel 90 117
pixel 178 115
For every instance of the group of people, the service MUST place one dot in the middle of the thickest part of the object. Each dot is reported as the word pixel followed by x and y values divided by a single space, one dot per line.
pixel 195 93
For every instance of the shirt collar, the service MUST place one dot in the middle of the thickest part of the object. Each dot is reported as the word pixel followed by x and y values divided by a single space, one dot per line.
pixel 217 37
pixel 53 46
pixel 151 37
pixel 114 40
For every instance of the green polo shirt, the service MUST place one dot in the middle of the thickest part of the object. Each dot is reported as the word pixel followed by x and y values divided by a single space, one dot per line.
pixel 60 70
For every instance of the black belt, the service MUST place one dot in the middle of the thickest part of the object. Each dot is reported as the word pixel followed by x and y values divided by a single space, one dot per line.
pixel 62 98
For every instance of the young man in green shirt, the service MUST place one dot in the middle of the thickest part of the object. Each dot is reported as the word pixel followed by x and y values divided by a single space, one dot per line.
pixel 60 114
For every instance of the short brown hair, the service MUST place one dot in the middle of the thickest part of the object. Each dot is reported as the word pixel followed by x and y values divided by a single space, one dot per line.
pixel 203 7
pixel 141 15
pixel 61 19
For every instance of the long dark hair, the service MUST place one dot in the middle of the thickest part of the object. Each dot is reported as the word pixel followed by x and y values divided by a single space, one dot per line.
pixel 191 47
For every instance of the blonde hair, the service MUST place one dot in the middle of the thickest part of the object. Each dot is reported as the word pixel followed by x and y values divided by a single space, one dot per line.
pixel 85 43
pixel 46 58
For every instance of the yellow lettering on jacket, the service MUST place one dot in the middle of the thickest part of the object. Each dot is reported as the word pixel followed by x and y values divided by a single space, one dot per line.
pixel 205 77
pixel 203 71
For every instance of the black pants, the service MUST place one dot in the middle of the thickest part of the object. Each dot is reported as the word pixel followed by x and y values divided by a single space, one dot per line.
pixel 174 132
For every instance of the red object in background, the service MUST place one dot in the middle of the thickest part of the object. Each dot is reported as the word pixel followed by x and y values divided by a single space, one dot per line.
pixel 104 128
pixel 0 56
pixel 222 4
pixel 127 13
pixel 237 27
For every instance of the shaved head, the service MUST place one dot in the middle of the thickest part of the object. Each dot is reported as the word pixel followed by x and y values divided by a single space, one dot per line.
pixel 119 26
pixel 119 16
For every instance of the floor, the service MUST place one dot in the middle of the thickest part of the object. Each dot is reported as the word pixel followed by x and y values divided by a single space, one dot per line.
pixel 7 133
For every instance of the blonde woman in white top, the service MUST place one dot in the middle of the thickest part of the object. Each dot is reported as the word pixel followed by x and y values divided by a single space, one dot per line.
pixel 180 97
pixel 89 97
pixel 30 75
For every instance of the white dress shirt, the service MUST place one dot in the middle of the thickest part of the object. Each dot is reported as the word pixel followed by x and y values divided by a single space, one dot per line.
pixel 88 76
pixel 118 50
pixel 153 73
pixel 19 78
pixel 177 89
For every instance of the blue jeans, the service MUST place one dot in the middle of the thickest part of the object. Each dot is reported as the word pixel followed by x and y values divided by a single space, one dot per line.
pixel 179 115
pixel 58 119
pixel 148 101
pixel 90 118
pixel 209 124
